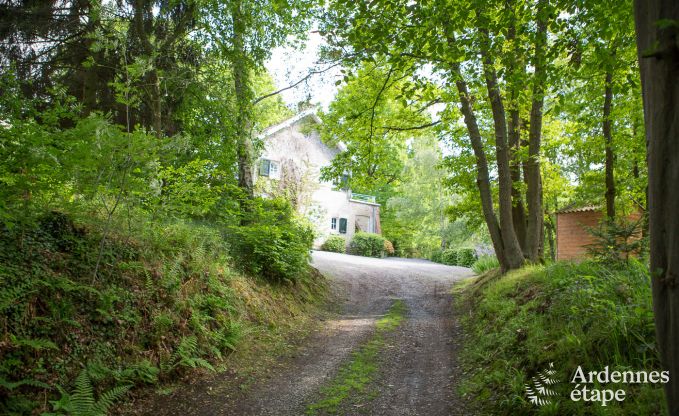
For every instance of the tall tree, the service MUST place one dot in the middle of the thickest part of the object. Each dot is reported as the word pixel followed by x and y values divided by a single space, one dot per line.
pixel 657 28
pixel 245 32
pixel 447 38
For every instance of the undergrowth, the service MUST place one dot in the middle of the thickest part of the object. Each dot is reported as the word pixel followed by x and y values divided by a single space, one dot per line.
pixel 589 314
pixel 165 299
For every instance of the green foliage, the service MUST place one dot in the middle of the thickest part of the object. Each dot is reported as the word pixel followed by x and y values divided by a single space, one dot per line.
pixel 413 218
pixel 449 257
pixel 367 244
pixel 484 264
pixel 436 256
pixel 587 314
pixel 466 257
pixel 82 402
pixel 271 241
pixel 615 241
pixel 187 355
pixel 165 290
pixel 335 243
pixel 360 117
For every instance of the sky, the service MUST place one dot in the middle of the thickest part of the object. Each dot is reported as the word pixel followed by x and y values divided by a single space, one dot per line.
pixel 288 65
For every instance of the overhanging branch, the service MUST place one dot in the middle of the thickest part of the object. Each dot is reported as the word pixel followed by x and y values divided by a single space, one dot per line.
pixel 309 75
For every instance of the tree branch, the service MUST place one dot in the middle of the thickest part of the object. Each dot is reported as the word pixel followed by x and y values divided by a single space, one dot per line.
pixel 309 75
pixel 423 126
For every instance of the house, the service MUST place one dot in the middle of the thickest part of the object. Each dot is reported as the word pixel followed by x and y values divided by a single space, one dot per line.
pixel 290 166
pixel 572 225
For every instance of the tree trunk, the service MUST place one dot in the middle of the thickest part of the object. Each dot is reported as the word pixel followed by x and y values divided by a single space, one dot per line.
pixel 482 175
pixel 244 145
pixel 142 29
pixel 608 139
pixel 518 208
pixel 658 49
pixel 535 223
pixel 516 72
pixel 551 229
pixel 513 254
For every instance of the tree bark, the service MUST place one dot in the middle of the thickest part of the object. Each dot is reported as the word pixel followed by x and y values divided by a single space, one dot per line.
pixel 535 222
pixel 244 145
pixel 482 175
pixel 516 72
pixel 143 28
pixel 658 49
pixel 513 254
pixel 608 139
pixel 518 207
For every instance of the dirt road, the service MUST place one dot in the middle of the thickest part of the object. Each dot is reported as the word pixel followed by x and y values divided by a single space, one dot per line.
pixel 416 369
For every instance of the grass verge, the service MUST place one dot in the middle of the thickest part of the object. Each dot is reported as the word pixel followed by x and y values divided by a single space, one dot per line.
pixel 144 309
pixel 588 314
pixel 354 376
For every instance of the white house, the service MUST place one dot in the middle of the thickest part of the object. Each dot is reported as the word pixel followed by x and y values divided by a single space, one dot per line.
pixel 291 164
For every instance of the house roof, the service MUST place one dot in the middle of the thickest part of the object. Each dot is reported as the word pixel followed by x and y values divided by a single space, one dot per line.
pixel 309 112
pixel 574 208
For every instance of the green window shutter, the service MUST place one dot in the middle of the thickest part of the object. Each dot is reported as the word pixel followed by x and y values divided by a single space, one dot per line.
pixel 343 226
pixel 264 167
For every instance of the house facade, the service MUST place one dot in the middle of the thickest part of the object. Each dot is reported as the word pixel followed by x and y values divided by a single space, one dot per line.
pixel 290 166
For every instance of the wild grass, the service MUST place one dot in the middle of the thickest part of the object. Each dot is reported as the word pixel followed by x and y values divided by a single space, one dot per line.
pixel 485 263
pixel 354 376
pixel 589 314
pixel 166 299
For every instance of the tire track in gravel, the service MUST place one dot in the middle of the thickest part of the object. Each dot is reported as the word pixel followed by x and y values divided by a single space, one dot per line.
pixel 417 369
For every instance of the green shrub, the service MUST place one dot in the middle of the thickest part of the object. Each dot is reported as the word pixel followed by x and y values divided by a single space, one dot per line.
pixel 449 257
pixel 335 244
pixel 272 242
pixel 589 314
pixel 436 255
pixel 466 257
pixel 167 291
pixel 485 263
pixel 367 244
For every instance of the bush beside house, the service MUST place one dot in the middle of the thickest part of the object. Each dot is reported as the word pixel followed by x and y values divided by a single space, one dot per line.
pixel 367 244
pixel 465 257
pixel 335 244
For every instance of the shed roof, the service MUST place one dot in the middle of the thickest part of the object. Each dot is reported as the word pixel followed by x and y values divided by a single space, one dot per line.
pixel 575 208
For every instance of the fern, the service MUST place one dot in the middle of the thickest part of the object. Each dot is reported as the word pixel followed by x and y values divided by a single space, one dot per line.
pixel 186 355
pixel 81 402
pixel 12 294
pixel 11 385
pixel 36 344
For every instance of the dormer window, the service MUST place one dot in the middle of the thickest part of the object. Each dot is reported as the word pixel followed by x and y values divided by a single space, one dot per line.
pixel 270 168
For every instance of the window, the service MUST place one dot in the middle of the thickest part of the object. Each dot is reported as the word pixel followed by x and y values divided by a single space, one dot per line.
pixel 333 224
pixel 269 168
pixel 343 226
pixel 274 170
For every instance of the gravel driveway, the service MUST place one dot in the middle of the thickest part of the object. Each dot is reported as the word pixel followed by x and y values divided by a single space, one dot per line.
pixel 417 370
